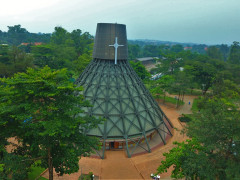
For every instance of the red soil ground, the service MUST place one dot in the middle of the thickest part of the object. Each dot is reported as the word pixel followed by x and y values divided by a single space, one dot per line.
pixel 117 166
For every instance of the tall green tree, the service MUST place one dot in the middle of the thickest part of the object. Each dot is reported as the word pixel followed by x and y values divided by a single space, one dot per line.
pixel 59 36
pixel 214 152
pixel 176 48
pixel 134 51
pixel 81 63
pixel 234 56
pixel 140 70
pixel 203 71
pixel 170 64
pixel 215 53
pixel 162 85
pixel 14 60
pixel 224 48
pixel 43 109
pixel 189 161
pixel 17 33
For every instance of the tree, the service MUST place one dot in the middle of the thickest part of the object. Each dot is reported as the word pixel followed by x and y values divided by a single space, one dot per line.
pixel 59 36
pixel 14 60
pixel 64 50
pixel 151 51
pixel 214 53
pixel 43 55
pixel 224 49
pixel 162 85
pixel 202 70
pixel 170 64
pixel 181 84
pixel 189 160
pixel 17 33
pixel 43 109
pixel 176 48
pixel 133 51
pixel 234 56
pixel 215 147
pixel 140 70
pixel 81 63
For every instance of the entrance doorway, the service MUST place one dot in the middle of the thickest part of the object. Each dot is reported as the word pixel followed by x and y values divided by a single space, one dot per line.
pixel 115 145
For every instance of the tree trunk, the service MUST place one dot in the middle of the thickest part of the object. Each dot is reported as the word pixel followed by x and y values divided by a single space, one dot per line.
pixel 164 98
pixel 178 99
pixel 50 164
pixel 183 96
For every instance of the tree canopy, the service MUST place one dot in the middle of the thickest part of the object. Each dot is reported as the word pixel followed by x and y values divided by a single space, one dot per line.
pixel 43 109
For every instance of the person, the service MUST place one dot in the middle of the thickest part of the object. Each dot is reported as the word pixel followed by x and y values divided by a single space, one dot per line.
pixel 189 103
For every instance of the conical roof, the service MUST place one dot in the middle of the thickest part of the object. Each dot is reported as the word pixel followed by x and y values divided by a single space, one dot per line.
pixel 118 95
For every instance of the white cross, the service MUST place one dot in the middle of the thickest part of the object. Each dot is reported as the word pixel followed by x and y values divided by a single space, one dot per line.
pixel 116 45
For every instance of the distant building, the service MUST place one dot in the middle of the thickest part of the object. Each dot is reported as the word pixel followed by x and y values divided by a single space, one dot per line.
pixel 35 44
pixel 4 44
pixel 147 60
pixel 156 76
pixel 187 48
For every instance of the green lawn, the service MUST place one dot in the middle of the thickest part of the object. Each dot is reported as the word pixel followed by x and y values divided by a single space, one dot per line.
pixel 172 100
pixel 194 105
pixel 35 172
pixel 169 99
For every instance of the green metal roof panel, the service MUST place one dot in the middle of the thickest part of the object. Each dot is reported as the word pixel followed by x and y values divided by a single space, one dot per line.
pixel 117 94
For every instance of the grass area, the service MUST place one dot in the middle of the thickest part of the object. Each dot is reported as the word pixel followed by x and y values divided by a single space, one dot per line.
pixel 88 177
pixel 172 100
pixel 194 105
pixel 35 172
pixel 169 99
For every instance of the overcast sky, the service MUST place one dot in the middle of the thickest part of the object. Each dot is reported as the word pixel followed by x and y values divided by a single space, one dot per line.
pixel 198 21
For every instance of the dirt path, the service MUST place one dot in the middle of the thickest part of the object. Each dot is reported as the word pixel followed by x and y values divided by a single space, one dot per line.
pixel 117 166
pixel 186 108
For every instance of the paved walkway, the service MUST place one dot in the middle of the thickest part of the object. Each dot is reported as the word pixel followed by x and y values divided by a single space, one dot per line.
pixel 117 166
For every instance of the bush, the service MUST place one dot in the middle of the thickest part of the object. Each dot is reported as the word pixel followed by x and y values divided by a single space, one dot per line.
pixel 185 118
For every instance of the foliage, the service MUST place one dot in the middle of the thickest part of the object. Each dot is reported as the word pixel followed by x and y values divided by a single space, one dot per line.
pixel 195 105
pixel 14 60
pixel 176 48
pixel 89 176
pixel 216 133
pixel 203 71
pixel 133 51
pixel 189 160
pixel 35 171
pixel 170 64
pixel 17 35
pixel 214 53
pixel 234 56
pixel 161 86
pixel 140 70
pixel 13 166
pixel 185 118
pixel 81 63
pixel 66 50
pixel 40 108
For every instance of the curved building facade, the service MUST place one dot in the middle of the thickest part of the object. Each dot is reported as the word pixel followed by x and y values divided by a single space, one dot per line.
pixel 117 94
